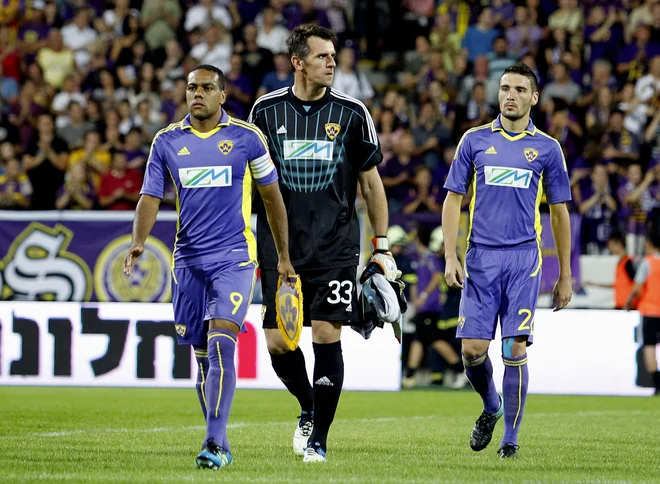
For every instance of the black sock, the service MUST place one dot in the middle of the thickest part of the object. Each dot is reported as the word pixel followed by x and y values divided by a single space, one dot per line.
pixel 458 367
pixel 290 368
pixel 410 372
pixel 328 381
pixel 656 379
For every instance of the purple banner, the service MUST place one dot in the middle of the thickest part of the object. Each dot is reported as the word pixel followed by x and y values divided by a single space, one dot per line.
pixel 68 257
pixel 550 271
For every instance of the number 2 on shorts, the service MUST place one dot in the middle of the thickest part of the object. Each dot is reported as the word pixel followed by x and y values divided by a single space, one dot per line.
pixel 528 315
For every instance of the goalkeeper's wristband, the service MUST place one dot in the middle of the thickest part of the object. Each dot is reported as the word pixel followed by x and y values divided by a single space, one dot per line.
pixel 381 244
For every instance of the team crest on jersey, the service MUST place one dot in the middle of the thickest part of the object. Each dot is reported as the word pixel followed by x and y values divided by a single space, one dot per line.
pixel 332 130
pixel 180 329
pixel 461 321
pixel 531 154
pixel 225 146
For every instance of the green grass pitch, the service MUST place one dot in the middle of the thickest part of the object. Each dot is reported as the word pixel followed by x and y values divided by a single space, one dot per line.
pixel 153 435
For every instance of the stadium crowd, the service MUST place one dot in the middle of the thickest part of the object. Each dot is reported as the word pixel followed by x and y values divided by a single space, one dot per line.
pixel 84 87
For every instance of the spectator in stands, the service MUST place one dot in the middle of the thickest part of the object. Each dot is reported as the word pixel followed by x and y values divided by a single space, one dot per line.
pixel 129 52
pixel 389 134
pixel 639 15
pixel 304 12
pixel 348 78
pixel 33 33
pixel 160 20
pixel 207 12
pixel 598 114
pixel 9 89
pixel 93 156
pixel 24 111
pixel 148 121
pixel 602 32
pixel 257 61
pixel 146 88
pixel 441 101
pixel 74 126
pixel 216 49
pixel 397 173
pixel 107 93
pixel 524 36
pixel 430 135
pixel 113 19
pixel 503 13
pixel 136 158
pixel 45 161
pixel 655 25
pixel 70 92
pixel 239 89
pixel 624 274
pixel 10 57
pixel 561 87
pixel 597 211
pixel 120 186
pixel 622 146
pixel 272 36
pixel 647 88
pixel 281 77
pixel 565 128
pixel 652 135
pixel 635 112
pixel 172 68
pixel 423 197
pixel 444 39
pixel 56 60
pixel 637 203
pixel 633 58
pixel 15 186
pixel 478 39
pixel 78 36
pixel 500 58
pixel 77 193
pixel 480 75
pixel 477 111
pixel 569 17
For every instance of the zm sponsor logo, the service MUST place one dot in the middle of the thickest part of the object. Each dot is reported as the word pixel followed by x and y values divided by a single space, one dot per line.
pixel 308 150
pixel 205 176
pixel 531 154
pixel 507 177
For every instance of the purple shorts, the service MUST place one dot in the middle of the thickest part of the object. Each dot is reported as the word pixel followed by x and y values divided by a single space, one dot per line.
pixel 502 283
pixel 218 290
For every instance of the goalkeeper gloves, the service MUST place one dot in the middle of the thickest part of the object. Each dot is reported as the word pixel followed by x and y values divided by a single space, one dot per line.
pixel 381 262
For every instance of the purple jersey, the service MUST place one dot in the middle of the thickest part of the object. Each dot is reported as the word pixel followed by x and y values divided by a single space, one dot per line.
pixel 509 174
pixel 212 174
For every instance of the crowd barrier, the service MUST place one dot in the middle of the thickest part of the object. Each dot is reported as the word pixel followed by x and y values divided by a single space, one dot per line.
pixel 133 345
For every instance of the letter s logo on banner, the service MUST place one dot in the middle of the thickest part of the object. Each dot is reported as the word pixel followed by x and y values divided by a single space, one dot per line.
pixel 151 280
pixel 38 267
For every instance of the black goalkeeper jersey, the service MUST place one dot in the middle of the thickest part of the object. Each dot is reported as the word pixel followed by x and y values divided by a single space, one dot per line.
pixel 318 148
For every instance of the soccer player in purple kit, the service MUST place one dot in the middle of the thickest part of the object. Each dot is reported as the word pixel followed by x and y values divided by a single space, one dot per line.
pixel 510 164
pixel 213 160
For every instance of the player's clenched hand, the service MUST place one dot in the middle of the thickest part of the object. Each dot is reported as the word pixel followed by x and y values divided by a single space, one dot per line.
pixel 286 272
pixel 454 272
pixel 562 294
pixel 133 255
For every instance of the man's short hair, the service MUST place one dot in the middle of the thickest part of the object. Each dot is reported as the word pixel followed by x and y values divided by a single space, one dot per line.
pixel 524 70
pixel 210 68
pixel 297 41
pixel 617 237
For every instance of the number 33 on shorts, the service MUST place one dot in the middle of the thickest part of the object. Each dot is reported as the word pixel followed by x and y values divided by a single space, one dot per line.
pixel 342 292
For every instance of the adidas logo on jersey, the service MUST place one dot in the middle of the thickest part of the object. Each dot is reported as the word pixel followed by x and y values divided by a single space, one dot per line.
pixel 183 151
pixel 281 130
pixel 491 151
pixel 324 381
pixel 349 308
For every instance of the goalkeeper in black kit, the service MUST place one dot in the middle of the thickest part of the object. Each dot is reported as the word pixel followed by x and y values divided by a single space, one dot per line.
pixel 323 144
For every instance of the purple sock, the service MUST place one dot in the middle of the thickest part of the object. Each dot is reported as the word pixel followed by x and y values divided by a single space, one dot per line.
pixel 220 385
pixel 479 371
pixel 514 387
pixel 202 357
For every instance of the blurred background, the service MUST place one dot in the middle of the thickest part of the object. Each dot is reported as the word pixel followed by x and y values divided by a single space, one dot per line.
pixel 86 84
